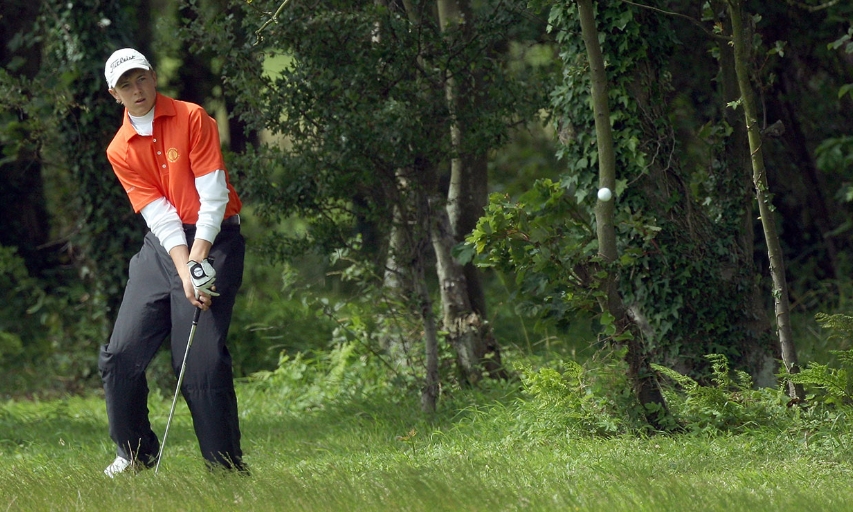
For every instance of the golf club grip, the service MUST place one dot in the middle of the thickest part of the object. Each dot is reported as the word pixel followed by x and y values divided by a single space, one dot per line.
pixel 196 315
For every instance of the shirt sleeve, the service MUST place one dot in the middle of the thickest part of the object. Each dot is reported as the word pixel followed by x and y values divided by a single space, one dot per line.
pixel 163 220
pixel 213 196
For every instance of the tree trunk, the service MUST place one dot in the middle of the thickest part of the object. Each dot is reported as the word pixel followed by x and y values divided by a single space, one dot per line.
pixel 646 387
pixel 467 193
pixel 429 395
pixel 405 272
pixel 765 208
pixel 398 283
pixel 466 199
pixel 808 211
pixel 760 355
pixel 195 79
pixel 466 331
pixel 239 138
pixel 463 300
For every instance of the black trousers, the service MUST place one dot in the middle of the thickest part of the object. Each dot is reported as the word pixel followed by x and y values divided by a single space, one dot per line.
pixel 154 308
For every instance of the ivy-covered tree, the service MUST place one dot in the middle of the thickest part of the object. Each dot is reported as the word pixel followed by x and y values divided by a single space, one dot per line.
pixel 646 387
pixel 85 34
pixel 66 213
pixel 25 224
pixel 685 280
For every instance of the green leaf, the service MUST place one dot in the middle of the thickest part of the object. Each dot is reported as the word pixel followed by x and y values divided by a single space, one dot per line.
pixel 624 336
pixel 463 252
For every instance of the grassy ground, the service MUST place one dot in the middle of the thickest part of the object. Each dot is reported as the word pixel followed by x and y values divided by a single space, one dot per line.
pixel 386 456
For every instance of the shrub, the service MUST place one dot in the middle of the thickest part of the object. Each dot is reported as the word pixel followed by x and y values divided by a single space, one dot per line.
pixel 46 330
pixel 313 381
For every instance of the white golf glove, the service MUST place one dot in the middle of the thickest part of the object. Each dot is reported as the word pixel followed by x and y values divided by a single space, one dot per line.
pixel 203 277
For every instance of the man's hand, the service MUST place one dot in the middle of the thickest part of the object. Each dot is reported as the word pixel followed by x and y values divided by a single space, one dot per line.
pixel 203 277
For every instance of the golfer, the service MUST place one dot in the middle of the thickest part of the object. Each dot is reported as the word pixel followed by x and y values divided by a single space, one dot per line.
pixel 166 155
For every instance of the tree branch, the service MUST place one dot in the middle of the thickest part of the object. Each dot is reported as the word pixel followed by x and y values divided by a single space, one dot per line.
pixel 273 19
pixel 813 8
pixel 688 18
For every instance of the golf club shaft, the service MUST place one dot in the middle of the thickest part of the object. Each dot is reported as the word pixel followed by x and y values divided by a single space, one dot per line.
pixel 178 388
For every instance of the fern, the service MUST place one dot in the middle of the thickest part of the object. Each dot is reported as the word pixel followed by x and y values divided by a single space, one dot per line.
pixel 845 357
pixel 839 325
pixel 566 396
pixel 730 403
pixel 682 380
pixel 834 382
pixel 830 385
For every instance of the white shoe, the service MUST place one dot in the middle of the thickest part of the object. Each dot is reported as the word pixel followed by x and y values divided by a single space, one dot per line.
pixel 120 465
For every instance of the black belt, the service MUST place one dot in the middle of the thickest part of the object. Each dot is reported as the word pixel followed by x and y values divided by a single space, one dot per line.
pixel 233 220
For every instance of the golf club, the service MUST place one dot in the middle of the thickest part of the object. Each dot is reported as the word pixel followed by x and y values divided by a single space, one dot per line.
pixel 178 389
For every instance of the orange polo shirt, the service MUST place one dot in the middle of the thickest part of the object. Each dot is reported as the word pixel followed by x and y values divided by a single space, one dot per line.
pixel 183 147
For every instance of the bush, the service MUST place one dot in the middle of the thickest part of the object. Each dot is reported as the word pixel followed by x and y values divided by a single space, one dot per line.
pixel 313 381
pixel 19 293
pixel 266 324
pixel 46 331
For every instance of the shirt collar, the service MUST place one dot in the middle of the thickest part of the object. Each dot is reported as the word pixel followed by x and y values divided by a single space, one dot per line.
pixel 163 107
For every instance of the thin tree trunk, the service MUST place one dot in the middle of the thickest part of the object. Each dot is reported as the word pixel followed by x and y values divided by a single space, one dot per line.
pixel 409 243
pixel 195 79
pixel 467 196
pixel 397 283
pixel 765 208
pixel 429 395
pixel 394 277
pixel 239 138
pixel 467 193
pixel 760 356
pixel 640 373
pixel 405 272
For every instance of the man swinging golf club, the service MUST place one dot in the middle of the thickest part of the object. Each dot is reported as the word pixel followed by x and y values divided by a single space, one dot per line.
pixel 166 155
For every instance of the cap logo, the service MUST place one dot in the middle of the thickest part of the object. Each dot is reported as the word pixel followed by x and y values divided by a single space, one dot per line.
pixel 121 60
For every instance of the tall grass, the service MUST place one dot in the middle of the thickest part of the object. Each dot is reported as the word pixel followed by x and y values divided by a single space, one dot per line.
pixel 484 450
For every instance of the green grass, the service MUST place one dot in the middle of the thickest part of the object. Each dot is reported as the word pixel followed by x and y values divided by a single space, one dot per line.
pixel 385 455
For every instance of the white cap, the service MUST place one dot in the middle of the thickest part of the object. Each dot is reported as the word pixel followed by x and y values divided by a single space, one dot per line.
pixel 121 61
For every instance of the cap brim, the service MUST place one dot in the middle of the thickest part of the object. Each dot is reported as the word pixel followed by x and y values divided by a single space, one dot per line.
pixel 124 68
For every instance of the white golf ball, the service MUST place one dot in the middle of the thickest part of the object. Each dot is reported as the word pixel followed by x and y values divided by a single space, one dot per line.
pixel 604 194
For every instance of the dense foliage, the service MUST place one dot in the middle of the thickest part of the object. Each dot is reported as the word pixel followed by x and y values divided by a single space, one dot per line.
pixel 353 98
pixel 63 114
pixel 684 224
pixel 350 99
